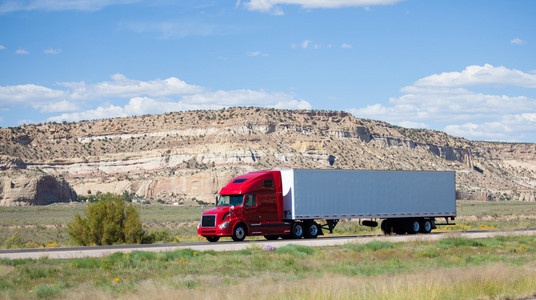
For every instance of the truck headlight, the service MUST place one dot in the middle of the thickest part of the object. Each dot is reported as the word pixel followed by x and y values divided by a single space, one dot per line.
pixel 224 225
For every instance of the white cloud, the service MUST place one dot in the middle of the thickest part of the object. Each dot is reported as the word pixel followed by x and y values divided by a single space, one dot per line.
pixel 444 105
pixel 122 87
pixel 246 98
pixel 256 53
pixel 2 47
pixel 52 51
pixel 308 44
pixel 411 124
pixel 346 46
pixel 60 5
pixel 509 128
pixel 479 76
pixel 272 6
pixel 57 106
pixel 445 102
pixel 22 52
pixel 145 97
pixel 177 29
pixel 28 93
pixel 518 41
pixel 209 100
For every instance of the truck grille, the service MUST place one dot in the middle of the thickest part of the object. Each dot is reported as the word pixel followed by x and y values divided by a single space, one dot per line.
pixel 208 221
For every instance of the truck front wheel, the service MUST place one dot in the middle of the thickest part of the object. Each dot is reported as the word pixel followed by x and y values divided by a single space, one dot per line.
pixel 296 231
pixel 239 233
pixel 212 239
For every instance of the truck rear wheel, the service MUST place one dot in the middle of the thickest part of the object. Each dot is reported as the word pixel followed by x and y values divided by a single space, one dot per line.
pixel 414 226
pixel 239 233
pixel 296 231
pixel 311 230
pixel 426 226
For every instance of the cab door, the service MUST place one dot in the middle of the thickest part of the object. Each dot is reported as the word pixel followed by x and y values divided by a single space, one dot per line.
pixel 251 214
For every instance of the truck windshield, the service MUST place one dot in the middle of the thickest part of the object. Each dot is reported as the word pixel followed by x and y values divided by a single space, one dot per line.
pixel 228 200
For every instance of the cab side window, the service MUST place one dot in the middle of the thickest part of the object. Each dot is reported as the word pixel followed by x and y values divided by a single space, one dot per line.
pixel 251 201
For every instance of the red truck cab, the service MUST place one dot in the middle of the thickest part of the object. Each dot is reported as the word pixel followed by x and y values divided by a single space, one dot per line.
pixel 250 204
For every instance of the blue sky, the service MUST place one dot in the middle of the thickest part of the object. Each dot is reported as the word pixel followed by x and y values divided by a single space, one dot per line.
pixel 464 67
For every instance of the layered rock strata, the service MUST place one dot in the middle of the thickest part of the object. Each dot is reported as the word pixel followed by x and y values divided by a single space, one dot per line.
pixel 186 157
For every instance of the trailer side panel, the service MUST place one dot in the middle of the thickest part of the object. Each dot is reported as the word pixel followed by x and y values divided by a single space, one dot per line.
pixel 341 194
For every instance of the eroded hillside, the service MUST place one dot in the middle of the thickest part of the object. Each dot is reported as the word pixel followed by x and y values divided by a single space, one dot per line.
pixel 188 156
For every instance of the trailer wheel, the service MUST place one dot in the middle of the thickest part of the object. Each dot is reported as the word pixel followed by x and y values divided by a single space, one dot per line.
pixel 387 227
pixel 414 226
pixel 212 239
pixel 311 230
pixel 296 231
pixel 239 233
pixel 426 226
pixel 271 237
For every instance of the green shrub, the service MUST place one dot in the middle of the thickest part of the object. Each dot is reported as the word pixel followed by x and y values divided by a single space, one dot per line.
pixel 47 291
pixel 161 235
pixel 15 241
pixel 107 222
pixel 141 256
pixel 84 263
pixel 370 246
pixel 4 285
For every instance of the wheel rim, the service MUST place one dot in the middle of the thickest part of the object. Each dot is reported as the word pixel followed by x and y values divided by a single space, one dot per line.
pixel 240 232
pixel 416 226
pixel 427 226
pixel 298 230
pixel 313 230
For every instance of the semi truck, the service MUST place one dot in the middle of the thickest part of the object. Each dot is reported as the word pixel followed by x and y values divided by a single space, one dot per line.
pixel 296 203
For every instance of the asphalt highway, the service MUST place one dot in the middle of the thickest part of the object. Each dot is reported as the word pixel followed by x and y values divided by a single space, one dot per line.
pixel 99 251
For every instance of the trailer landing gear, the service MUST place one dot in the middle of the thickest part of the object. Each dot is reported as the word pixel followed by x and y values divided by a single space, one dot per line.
pixel 330 225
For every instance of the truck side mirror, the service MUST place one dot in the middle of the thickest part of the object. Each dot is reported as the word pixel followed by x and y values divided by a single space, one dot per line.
pixel 216 201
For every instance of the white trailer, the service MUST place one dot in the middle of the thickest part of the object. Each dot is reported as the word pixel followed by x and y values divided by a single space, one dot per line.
pixel 407 201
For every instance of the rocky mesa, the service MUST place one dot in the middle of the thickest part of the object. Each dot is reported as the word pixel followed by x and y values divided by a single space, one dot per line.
pixel 186 157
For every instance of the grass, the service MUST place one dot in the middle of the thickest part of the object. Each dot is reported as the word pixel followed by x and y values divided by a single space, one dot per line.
pixel 452 268
pixel 60 214
pixel 495 209
pixel 46 226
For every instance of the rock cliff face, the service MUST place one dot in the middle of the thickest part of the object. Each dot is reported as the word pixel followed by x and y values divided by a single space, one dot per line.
pixel 189 156
pixel 33 188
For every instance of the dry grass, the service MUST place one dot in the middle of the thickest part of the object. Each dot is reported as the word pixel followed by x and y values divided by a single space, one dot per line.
pixel 47 225
pixel 451 268
pixel 496 281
